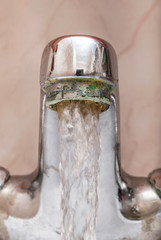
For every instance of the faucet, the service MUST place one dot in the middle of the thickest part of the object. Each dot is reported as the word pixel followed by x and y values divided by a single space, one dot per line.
pixel 79 190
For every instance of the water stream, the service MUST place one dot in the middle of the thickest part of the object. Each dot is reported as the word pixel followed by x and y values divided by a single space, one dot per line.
pixel 79 138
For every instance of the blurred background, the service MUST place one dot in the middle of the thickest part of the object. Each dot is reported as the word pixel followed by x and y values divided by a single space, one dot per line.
pixel 132 27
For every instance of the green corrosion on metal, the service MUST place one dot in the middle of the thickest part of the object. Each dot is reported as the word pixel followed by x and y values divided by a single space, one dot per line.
pixel 90 89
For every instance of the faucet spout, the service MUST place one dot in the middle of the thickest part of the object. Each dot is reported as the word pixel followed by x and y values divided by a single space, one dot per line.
pixel 79 190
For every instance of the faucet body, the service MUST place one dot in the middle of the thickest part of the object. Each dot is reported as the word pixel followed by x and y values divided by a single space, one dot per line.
pixel 79 68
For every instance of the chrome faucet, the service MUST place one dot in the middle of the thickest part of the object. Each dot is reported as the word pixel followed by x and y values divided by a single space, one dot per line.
pixel 80 68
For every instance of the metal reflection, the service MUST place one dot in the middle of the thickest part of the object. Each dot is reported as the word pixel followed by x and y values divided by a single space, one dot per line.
pixel 79 67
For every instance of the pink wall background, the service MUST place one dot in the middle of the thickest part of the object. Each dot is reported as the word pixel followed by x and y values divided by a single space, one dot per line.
pixel 132 27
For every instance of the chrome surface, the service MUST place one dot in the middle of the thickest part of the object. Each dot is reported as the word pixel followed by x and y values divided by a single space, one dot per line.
pixel 75 56
pixel 78 68
pixel 129 207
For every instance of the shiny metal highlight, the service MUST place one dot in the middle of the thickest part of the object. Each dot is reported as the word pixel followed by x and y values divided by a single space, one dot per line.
pixel 79 67
pixel 78 56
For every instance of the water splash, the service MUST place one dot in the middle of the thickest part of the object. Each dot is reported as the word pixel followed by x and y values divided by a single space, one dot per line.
pixel 79 168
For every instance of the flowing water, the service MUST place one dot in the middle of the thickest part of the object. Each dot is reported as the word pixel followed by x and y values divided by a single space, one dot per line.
pixel 79 168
